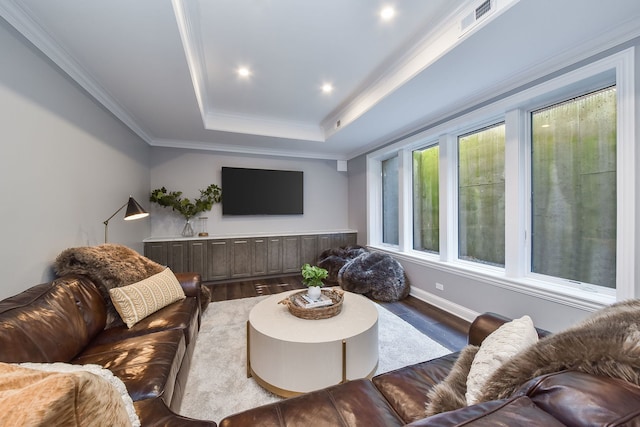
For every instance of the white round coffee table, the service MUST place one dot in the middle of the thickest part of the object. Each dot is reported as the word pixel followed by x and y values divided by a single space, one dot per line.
pixel 288 355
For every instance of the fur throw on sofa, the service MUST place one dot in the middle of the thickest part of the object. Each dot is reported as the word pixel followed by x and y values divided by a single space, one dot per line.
pixel 605 344
pixel 376 275
pixel 109 266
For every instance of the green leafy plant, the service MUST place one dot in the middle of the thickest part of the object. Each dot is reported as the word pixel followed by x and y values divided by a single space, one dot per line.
pixel 208 197
pixel 313 275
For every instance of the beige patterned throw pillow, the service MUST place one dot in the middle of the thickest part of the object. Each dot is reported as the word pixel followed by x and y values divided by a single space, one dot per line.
pixel 501 345
pixel 137 301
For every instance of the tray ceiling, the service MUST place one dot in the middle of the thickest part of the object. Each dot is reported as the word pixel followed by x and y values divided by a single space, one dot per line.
pixel 168 69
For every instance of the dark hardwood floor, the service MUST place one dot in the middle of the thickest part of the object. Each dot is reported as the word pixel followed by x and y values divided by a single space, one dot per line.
pixel 448 330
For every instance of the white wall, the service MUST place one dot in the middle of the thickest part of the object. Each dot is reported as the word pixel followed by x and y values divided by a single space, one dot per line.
pixel 325 193
pixel 65 165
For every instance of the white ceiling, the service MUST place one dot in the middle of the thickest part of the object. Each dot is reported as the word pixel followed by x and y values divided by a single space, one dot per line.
pixel 167 69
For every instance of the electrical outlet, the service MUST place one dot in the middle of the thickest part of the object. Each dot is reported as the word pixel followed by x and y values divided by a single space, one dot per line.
pixel 439 286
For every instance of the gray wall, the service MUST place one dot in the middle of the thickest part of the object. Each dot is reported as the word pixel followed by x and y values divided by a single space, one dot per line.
pixel 66 166
pixel 325 193
pixel 358 197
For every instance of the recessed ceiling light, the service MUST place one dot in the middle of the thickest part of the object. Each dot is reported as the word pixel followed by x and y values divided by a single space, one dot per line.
pixel 327 88
pixel 387 13
pixel 244 72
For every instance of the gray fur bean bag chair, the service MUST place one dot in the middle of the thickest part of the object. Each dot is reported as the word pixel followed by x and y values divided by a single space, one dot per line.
pixel 334 259
pixel 375 275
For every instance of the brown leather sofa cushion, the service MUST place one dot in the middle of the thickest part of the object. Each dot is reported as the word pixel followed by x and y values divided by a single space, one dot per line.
pixel 355 403
pixel 406 388
pixel 51 322
pixel 518 411
pixel 182 315
pixel 147 364
pixel 573 397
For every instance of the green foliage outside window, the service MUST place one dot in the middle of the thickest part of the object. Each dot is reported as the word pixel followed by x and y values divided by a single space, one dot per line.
pixel 426 199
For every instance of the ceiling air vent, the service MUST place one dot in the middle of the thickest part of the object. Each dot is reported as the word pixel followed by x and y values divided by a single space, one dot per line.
pixel 483 9
pixel 470 20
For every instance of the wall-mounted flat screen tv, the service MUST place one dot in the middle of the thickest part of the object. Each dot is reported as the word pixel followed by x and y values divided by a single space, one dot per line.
pixel 261 192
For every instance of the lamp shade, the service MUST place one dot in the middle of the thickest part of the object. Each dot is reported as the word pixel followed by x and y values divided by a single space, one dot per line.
pixel 134 210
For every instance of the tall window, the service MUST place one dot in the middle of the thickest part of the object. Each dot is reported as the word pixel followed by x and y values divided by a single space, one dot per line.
pixel 539 193
pixel 390 201
pixel 481 196
pixel 426 196
pixel 573 156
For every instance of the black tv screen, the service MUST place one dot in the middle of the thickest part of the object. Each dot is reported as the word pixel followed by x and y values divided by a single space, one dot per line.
pixel 261 192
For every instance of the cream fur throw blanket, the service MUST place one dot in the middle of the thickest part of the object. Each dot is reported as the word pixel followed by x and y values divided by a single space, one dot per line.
pixel 605 344
pixel 109 266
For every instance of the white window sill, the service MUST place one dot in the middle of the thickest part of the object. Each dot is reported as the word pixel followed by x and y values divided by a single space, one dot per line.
pixel 572 296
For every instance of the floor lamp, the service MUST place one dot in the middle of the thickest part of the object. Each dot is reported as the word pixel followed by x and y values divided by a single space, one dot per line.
pixel 134 211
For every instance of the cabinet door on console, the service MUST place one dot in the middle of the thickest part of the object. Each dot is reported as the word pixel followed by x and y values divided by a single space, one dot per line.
pixel 324 243
pixel 240 258
pixel 259 257
pixel 156 251
pixel 218 259
pixel 274 255
pixel 309 250
pixel 198 258
pixel 291 254
pixel 337 240
pixel 350 239
pixel 178 256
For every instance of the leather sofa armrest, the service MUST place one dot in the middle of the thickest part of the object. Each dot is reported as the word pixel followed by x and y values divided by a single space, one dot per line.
pixel 486 323
pixel 191 283
pixel 154 412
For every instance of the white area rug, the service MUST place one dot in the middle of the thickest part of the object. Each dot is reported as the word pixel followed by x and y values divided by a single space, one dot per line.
pixel 218 385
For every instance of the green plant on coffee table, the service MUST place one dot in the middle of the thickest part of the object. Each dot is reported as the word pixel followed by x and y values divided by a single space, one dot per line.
pixel 208 197
pixel 313 275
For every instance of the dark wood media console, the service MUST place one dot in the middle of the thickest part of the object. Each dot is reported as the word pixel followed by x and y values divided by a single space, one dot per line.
pixel 219 259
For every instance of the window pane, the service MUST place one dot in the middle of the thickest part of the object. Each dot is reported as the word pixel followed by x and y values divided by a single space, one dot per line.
pixel 426 197
pixel 574 189
pixel 390 201
pixel 481 196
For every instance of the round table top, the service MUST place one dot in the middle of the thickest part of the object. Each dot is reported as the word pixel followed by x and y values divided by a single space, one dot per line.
pixel 274 320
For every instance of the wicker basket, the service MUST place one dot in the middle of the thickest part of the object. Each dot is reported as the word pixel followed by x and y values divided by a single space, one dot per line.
pixel 315 313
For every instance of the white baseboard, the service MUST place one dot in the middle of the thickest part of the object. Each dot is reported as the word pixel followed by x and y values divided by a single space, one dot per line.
pixel 443 304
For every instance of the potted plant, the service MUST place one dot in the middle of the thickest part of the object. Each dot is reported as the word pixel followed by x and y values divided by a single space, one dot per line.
pixel 312 277
pixel 188 209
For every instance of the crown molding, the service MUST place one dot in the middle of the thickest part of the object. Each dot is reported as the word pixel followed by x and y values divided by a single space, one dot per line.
pixel 194 52
pixel 265 127
pixel 19 17
pixel 241 149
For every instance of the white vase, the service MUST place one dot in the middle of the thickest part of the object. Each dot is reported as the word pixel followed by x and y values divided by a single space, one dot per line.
pixel 314 292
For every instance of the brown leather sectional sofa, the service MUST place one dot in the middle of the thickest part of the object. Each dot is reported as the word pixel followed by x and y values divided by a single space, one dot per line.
pixel 398 398
pixel 64 320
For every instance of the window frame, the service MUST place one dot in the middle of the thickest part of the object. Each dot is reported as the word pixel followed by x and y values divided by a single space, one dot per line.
pixel 515 110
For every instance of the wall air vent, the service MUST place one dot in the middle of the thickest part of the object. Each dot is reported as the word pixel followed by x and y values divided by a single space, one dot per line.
pixel 476 15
